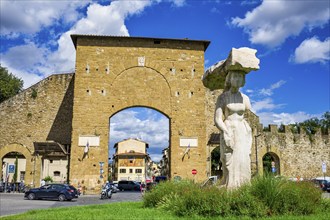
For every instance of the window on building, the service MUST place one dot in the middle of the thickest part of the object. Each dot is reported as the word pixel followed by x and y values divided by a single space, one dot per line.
pixel 57 173
pixel 122 171
pixel 50 161
pixel 22 176
pixel 130 170
pixel 138 170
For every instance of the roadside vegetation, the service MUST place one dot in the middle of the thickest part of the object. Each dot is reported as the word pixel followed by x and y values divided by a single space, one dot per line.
pixel 265 198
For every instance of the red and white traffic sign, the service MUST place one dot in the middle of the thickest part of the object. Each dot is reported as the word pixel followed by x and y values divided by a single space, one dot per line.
pixel 194 171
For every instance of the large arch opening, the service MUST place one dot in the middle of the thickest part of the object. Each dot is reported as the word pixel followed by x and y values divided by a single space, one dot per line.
pixel 13 170
pixel 131 130
pixel 271 163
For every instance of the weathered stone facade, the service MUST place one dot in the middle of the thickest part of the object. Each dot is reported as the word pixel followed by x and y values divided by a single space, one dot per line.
pixel 115 73
pixel 40 113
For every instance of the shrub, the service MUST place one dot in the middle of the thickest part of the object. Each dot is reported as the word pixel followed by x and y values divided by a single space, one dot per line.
pixel 188 199
pixel 266 195
pixel 163 189
pixel 48 179
pixel 243 203
pixel 282 196
pixel 325 206
pixel 298 198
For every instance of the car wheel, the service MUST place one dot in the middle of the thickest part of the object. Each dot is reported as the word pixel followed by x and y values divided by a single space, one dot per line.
pixel 61 197
pixel 31 196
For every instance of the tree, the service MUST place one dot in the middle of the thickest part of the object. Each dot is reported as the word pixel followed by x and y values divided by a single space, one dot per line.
pixel 10 85
pixel 311 125
pixel 215 158
pixel 16 169
pixel 325 122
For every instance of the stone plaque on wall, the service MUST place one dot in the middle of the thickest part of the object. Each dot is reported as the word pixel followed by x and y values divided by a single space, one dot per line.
pixel 92 140
pixel 188 141
pixel 141 61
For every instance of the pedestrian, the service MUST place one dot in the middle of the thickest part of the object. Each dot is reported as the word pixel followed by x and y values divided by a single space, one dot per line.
pixel 143 188
pixel 21 186
pixel 42 183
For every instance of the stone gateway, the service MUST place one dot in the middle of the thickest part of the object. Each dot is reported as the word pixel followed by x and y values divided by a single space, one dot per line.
pixel 115 73
pixel 63 120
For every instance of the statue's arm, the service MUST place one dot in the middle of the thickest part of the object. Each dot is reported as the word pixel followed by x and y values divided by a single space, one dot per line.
pixel 247 102
pixel 218 120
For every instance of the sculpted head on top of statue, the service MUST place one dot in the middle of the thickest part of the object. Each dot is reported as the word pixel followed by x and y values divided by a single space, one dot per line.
pixel 234 81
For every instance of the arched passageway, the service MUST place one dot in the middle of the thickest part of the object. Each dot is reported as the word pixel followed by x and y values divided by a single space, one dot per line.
pixel 271 163
pixel 141 125
pixel 216 165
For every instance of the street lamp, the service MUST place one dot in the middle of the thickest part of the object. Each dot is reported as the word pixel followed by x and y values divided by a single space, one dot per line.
pixel 256 149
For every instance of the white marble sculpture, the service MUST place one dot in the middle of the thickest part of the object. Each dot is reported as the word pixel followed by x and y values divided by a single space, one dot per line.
pixel 236 135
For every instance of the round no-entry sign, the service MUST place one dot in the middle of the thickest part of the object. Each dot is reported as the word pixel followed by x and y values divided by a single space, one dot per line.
pixel 194 171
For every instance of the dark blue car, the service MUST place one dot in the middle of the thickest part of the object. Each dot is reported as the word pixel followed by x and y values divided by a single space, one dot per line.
pixel 59 192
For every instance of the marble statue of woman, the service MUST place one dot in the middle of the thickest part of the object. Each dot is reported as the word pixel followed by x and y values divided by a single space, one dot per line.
pixel 236 135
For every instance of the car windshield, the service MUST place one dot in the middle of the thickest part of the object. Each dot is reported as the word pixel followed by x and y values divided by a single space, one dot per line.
pixel 45 187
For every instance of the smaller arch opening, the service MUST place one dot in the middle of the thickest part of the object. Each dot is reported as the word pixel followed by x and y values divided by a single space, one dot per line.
pixel 271 163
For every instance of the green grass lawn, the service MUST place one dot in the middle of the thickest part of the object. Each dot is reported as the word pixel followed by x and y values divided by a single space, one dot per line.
pixel 125 210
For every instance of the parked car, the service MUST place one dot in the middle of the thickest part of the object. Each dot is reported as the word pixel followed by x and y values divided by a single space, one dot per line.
pixel 52 191
pixel 2 187
pixel 210 181
pixel 322 183
pixel 160 178
pixel 128 185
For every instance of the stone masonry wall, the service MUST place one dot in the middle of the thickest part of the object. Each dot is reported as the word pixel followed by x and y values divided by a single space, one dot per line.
pixel 113 74
pixel 39 113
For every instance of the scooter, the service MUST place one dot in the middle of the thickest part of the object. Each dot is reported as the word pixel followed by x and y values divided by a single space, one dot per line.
pixel 106 193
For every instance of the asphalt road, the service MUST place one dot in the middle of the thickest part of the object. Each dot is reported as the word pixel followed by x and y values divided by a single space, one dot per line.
pixel 14 203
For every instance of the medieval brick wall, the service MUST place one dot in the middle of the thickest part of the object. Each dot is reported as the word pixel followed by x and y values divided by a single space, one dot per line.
pixel 39 113
pixel 115 73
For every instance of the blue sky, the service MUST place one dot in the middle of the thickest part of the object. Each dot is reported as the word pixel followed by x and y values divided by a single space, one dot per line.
pixel 292 39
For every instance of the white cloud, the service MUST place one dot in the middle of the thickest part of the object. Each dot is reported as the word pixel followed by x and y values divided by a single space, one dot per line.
pixel 29 79
pixel 265 91
pixel 26 62
pixel 312 51
pixel 63 59
pixel 272 22
pixel 156 157
pixel 29 17
pixel 115 15
pixel 178 3
pixel 269 91
pixel 267 118
pixel 215 10
pixel 264 104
